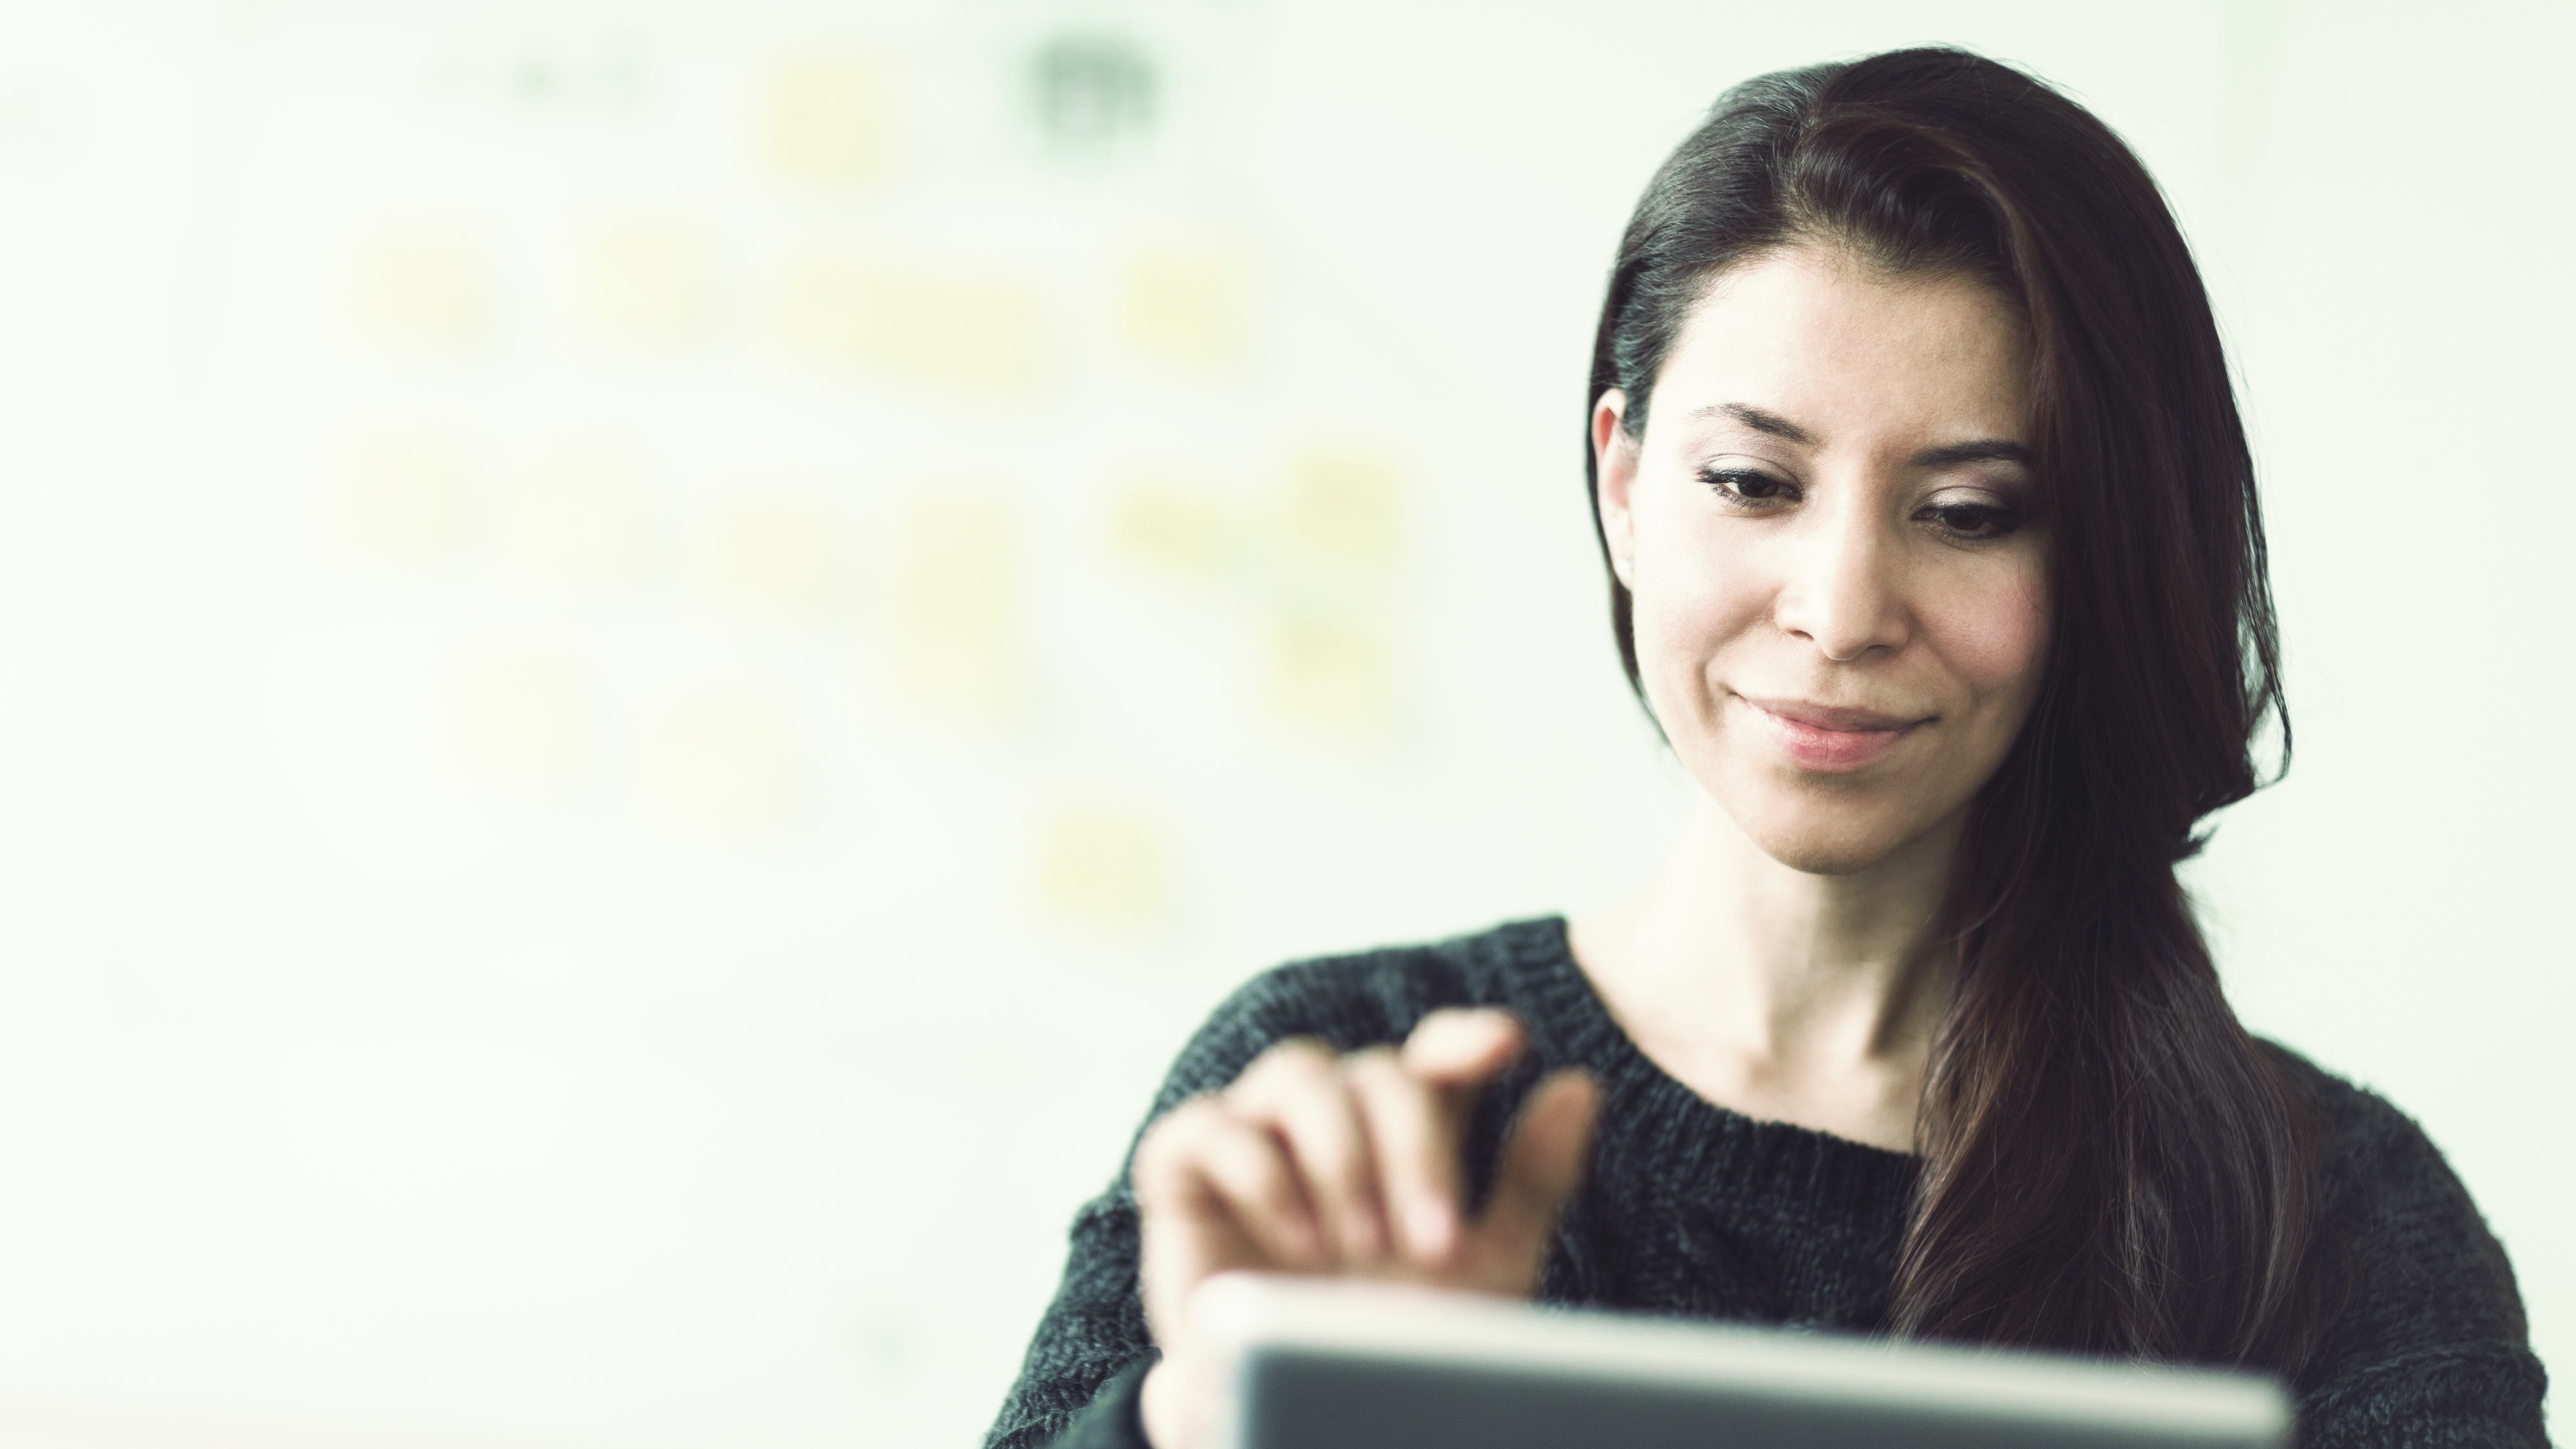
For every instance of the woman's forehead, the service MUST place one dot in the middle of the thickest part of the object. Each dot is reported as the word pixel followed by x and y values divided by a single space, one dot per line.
pixel 1839 349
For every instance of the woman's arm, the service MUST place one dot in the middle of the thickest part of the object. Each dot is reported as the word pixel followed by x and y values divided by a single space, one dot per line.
pixel 1077 1386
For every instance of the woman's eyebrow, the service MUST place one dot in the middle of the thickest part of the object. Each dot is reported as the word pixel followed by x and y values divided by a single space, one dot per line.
pixel 1984 450
pixel 1756 419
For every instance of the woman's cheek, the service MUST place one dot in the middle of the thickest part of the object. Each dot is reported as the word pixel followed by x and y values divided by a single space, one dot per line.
pixel 1996 638
pixel 1689 608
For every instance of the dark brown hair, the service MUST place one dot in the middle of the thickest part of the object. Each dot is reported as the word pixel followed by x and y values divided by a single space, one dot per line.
pixel 2112 1164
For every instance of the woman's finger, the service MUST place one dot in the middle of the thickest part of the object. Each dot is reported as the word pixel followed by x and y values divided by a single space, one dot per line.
pixel 1300 1091
pixel 1414 1124
pixel 1248 1166
pixel 1212 1160
pixel 1462 1045
pixel 1163 1175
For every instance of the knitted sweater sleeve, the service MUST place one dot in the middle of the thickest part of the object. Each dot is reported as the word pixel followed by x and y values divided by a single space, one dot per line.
pixel 2429 1349
pixel 1078 1384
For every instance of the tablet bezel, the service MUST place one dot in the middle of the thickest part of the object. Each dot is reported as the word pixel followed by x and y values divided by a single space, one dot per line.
pixel 1240 1315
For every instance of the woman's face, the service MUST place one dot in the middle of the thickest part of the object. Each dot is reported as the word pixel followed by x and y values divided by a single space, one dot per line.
pixel 1831 532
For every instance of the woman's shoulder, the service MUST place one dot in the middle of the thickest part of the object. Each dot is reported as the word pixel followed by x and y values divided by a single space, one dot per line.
pixel 1358 998
pixel 2376 1158
pixel 2429 1323
pixel 2353 1121
pixel 2386 1180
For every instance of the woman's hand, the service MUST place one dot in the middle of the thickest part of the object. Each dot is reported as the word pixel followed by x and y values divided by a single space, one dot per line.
pixel 1318 1162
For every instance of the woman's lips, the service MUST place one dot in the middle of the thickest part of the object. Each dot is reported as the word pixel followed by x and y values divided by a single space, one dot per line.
pixel 1830 739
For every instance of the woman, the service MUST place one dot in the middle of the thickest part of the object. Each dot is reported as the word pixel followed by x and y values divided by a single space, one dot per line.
pixel 1935 554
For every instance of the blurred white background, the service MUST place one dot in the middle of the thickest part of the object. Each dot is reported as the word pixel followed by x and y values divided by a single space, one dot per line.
pixel 658 653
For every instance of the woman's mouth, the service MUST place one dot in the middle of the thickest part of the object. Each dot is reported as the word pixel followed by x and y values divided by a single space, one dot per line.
pixel 1831 739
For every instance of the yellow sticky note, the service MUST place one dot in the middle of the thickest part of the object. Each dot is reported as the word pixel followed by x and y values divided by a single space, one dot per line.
pixel 1187 305
pixel 957 644
pixel 1342 508
pixel 650 283
pixel 1331 674
pixel 823 305
pixel 400 498
pixel 972 333
pixel 828 120
pixel 578 515
pixel 776 555
pixel 1167 527
pixel 426 292
pixel 523 716
pixel 725 762
pixel 1104 867
pixel 919 325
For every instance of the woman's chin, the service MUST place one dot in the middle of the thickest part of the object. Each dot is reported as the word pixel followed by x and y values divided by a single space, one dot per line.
pixel 1823 856
pixel 1823 840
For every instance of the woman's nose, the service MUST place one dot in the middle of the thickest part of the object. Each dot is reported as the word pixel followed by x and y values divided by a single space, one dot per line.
pixel 1841 592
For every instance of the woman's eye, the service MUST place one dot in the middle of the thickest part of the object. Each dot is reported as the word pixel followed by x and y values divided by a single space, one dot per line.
pixel 1741 485
pixel 1974 520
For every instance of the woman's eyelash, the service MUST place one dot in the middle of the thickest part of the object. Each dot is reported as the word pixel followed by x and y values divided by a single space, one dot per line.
pixel 1744 486
pixel 1974 521
pixel 1967 522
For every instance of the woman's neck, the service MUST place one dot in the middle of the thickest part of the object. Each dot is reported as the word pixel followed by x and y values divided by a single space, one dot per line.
pixel 1782 994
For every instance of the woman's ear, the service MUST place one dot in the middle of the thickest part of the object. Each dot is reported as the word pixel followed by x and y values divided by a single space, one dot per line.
pixel 1614 473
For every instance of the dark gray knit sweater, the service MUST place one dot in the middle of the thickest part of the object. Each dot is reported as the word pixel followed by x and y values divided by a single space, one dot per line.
pixel 1694 1210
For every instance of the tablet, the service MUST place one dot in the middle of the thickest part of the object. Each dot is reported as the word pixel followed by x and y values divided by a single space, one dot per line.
pixel 1319 1364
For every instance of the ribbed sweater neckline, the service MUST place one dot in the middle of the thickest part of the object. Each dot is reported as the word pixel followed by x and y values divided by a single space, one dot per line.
pixel 1701 1149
